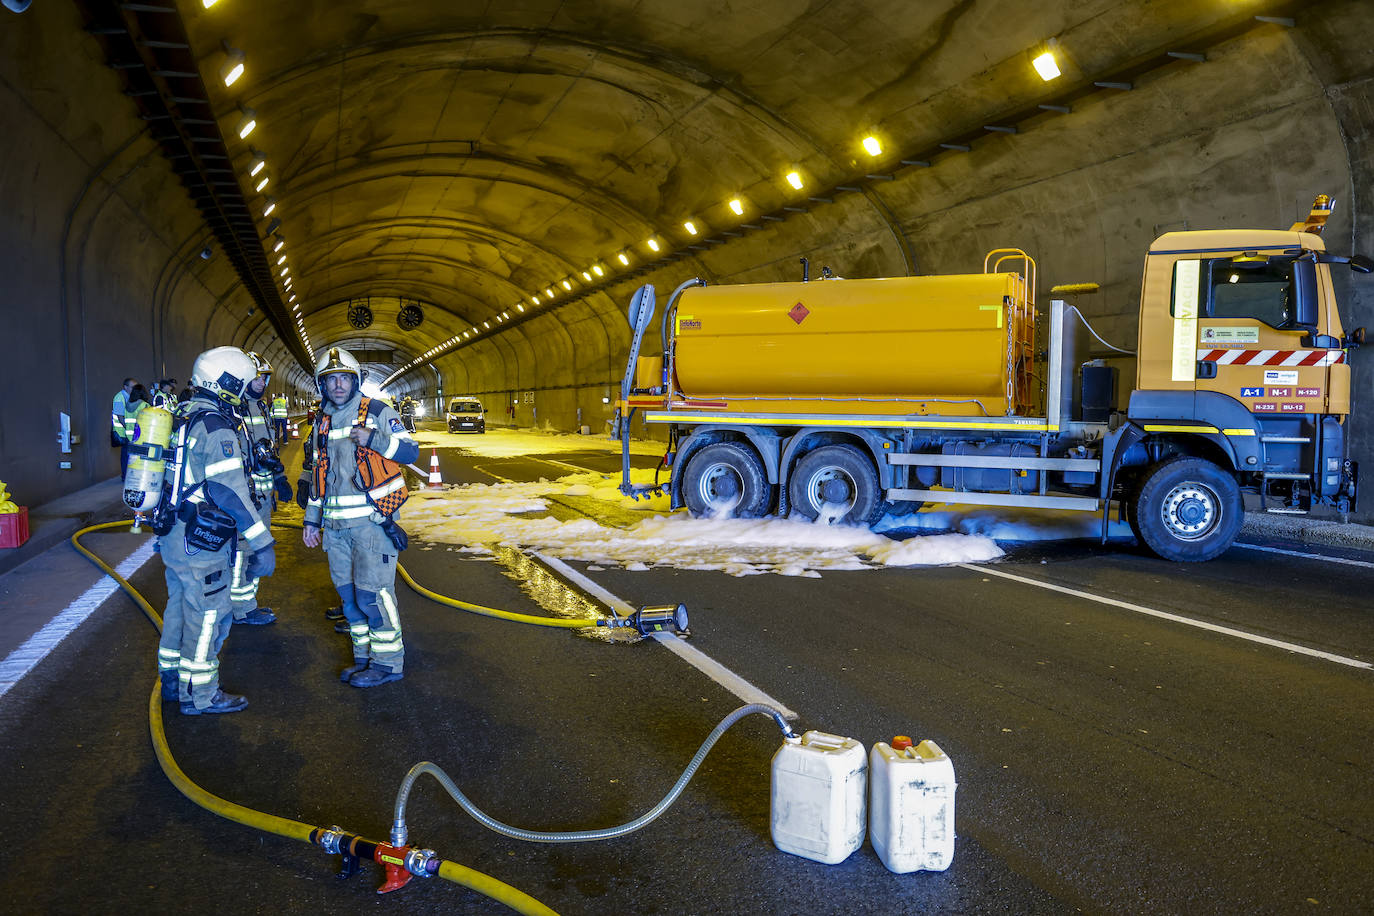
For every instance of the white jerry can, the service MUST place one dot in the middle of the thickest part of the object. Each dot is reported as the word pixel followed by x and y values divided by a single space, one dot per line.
pixel 911 812
pixel 818 796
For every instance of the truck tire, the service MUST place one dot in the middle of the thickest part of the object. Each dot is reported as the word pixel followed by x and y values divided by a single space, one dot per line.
pixel 724 480
pixel 1188 510
pixel 839 482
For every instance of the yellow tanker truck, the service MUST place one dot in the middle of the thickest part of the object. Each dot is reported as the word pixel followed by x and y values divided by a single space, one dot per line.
pixel 842 399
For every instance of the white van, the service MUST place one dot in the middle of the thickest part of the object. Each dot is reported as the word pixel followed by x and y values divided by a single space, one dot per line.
pixel 466 415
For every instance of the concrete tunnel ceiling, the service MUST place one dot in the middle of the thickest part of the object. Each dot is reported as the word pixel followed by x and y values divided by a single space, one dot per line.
pixel 491 162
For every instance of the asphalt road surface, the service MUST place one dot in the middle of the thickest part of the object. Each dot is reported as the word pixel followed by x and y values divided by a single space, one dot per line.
pixel 1129 735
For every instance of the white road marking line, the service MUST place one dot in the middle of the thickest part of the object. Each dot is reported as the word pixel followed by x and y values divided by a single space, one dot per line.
pixel 1164 615
pixel 22 660
pixel 679 647
pixel 1307 556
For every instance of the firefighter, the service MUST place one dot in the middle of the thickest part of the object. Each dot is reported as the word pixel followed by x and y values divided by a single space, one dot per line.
pixel 356 489
pixel 269 483
pixel 207 518
pixel 279 416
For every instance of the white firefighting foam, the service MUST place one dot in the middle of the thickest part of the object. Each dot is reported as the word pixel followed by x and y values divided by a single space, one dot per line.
pixel 504 514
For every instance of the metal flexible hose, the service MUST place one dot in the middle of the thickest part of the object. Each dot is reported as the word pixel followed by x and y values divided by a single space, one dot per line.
pixel 398 829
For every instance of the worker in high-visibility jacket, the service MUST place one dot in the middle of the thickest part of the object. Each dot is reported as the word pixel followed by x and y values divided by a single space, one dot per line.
pixel 356 490
pixel 119 436
pixel 279 416
pixel 269 484
pixel 208 517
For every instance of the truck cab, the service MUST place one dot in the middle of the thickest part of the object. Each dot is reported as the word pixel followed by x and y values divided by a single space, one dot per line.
pixel 1242 362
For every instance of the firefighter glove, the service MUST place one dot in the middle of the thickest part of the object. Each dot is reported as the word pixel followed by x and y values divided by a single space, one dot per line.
pixel 396 533
pixel 283 489
pixel 302 491
pixel 262 563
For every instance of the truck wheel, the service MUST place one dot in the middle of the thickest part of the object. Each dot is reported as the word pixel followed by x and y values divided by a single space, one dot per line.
pixel 836 482
pixel 726 479
pixel 1188 510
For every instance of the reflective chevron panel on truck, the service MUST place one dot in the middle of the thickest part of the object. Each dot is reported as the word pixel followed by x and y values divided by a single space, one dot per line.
pixel 1272 357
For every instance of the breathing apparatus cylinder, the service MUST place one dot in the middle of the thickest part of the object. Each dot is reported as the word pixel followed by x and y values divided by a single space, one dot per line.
pixel 143 480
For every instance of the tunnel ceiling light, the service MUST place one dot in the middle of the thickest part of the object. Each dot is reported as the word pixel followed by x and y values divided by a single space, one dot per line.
pixel 208 3
pixel 247 123
pixel 653 244
pixel 623 258
pixel 520 307
pixel 286 271
pixel 281 260
pixel 232 68
pixel 487 325
pixel 567 286
pixel 465 335
pixel 278 247
pixel 534 299
pixel 691 227
pixel 262 182
pixel 1045 63
pixel 795 180
pixel 596 269
pixel 873 146
pixel 549 292
pixel 505 314
pixel 271 205
pixel 257 167
pixel 586 276
pixel 737 206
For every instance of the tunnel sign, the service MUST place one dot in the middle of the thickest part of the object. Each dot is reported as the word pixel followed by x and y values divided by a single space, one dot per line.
pixel 529 397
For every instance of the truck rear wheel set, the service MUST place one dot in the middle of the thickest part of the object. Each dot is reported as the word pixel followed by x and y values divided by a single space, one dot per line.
pixel 837 483
pixel 726 479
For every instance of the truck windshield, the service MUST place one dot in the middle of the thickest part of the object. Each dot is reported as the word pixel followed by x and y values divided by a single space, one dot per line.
pixel 1265 290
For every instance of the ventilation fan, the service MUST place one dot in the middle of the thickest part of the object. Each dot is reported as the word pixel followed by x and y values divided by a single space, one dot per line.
pixel 410 316
pixel 359 315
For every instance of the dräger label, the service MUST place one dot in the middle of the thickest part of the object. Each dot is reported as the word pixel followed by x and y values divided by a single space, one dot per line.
pixel 1265 407
pixel 1280 377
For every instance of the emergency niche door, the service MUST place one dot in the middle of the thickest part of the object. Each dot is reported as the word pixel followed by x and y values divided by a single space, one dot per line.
pixel 1253 311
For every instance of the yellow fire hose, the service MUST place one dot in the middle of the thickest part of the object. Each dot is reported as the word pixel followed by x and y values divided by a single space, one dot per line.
pixel 450 871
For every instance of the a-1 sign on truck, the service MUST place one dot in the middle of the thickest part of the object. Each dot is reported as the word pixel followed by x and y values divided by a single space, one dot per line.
pixel 844 399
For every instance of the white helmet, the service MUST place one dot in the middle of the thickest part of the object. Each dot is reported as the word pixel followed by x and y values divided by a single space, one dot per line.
pixel 225 373
pixel 337 359
pixel 263 366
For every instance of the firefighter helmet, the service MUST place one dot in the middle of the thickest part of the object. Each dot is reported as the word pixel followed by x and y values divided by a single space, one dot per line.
pixel 263 366
pixel 224 373
pixel 337 359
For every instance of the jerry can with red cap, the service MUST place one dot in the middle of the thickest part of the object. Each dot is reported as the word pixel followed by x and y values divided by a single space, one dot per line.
pixel 911 805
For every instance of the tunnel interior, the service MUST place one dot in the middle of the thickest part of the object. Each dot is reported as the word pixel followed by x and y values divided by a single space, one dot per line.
pixel 468 194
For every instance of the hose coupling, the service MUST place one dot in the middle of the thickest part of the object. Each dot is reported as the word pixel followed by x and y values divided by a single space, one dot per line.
pixel 783 724
pixel 399 833
pixel 331 839
pixel 423 863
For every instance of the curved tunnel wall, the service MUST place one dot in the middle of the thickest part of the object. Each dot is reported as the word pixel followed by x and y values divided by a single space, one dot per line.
pixel 100 245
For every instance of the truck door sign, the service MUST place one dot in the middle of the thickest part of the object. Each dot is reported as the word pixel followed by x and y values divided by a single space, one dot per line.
pixel 1186 274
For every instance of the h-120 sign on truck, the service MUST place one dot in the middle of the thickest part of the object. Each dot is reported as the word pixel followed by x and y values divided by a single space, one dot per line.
pixel 843 399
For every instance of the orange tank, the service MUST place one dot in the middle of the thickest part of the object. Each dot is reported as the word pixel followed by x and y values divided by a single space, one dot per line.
pixel 957 344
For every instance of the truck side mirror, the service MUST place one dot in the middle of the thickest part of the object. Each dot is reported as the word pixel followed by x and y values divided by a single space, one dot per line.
pixel 1361 263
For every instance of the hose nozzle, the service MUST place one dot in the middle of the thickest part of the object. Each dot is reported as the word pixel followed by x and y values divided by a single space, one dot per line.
pixel 655 618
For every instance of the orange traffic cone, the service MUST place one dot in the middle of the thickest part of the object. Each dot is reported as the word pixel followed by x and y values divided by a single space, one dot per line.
pixel 295 430
pixel 436 482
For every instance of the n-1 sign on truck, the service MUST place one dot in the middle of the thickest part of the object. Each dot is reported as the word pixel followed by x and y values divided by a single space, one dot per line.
pixel 844 399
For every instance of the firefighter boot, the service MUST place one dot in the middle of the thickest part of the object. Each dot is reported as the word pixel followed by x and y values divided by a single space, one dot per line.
pixel 373 676
pixel 359 665
pixel 220 702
